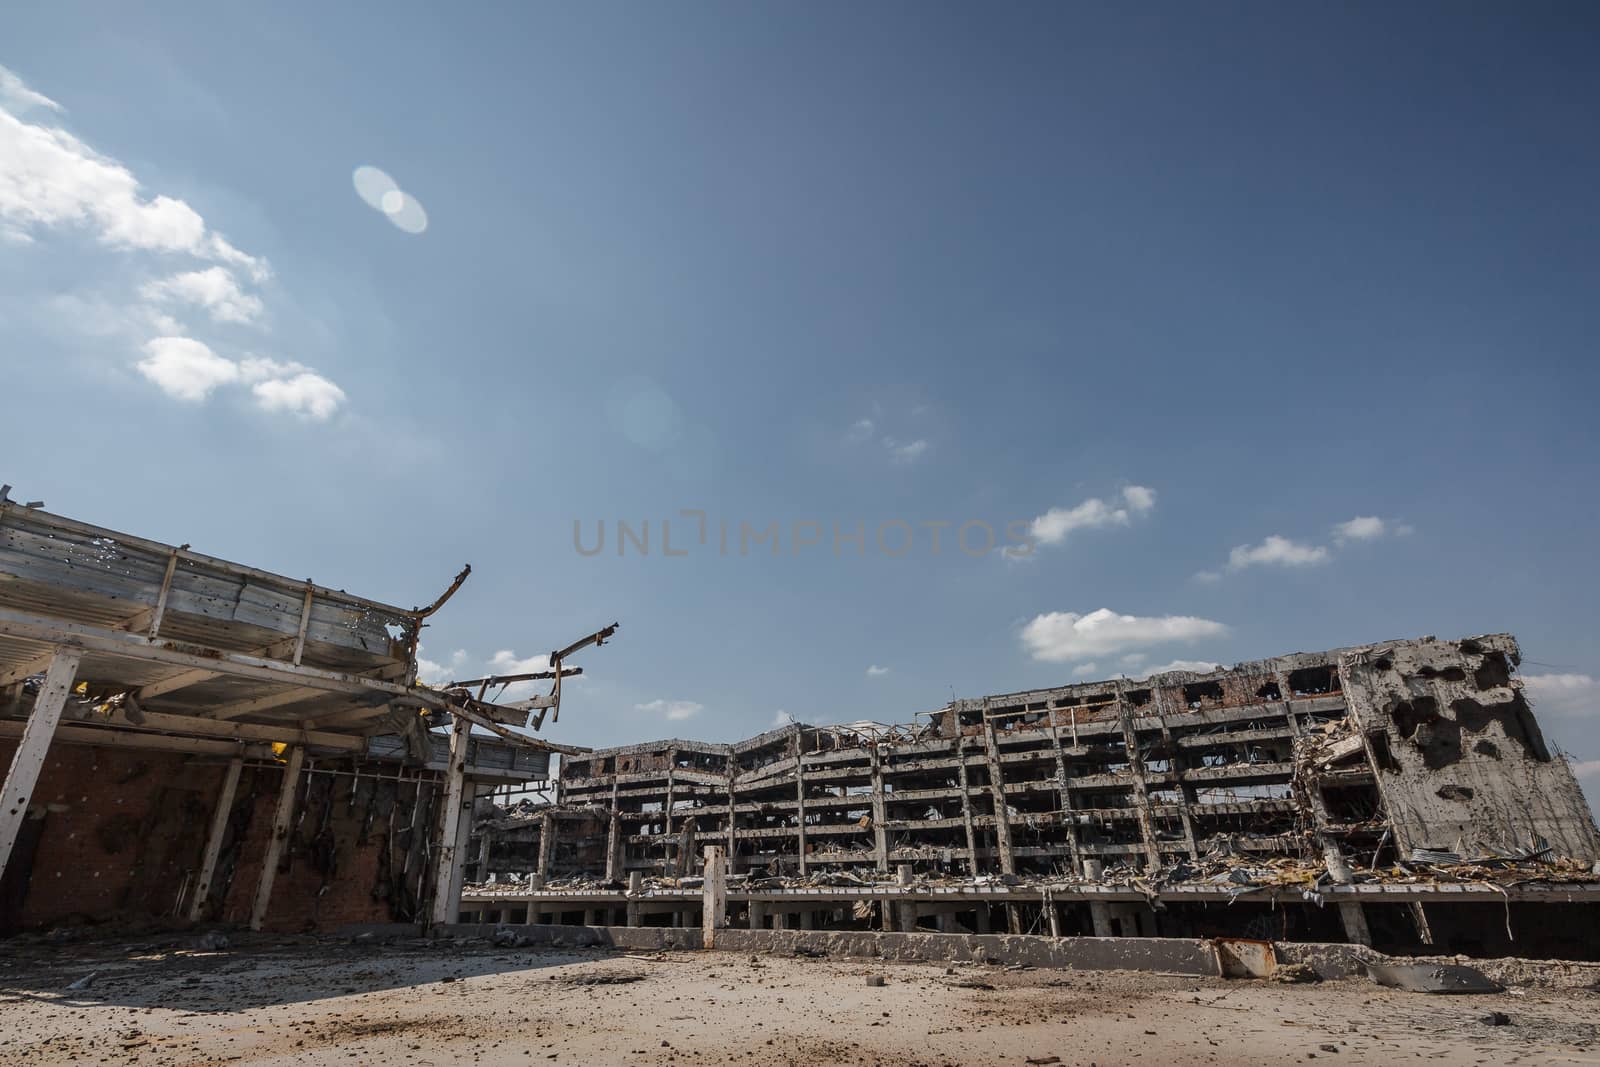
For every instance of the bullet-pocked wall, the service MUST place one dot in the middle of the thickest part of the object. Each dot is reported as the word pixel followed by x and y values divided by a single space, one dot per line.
pixel 117 835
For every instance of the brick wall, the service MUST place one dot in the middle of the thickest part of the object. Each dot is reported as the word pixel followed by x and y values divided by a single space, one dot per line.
pixel 124 828
pixel 121 829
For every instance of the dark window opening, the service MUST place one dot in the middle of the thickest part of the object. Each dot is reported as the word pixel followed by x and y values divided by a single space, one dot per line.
pixel 1198 694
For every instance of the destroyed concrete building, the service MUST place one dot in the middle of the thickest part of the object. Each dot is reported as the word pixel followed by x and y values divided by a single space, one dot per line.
pixel 1398 794
pixel 192 738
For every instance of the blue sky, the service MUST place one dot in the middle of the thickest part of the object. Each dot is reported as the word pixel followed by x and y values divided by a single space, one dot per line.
pixel 1273 327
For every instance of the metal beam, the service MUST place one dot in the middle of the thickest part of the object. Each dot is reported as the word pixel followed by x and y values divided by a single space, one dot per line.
pixel 29 757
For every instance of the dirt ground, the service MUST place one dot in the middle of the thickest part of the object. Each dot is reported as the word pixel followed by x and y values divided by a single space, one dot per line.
pixel 272 1001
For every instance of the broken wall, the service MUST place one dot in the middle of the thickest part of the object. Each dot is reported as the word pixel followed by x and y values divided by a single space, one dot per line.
pixel 1461 763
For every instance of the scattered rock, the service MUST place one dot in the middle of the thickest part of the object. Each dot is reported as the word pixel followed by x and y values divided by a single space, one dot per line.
pixel 213 941
pixel 1496 1018
pixel 1296 973
pixel 86 981
pixel 875 980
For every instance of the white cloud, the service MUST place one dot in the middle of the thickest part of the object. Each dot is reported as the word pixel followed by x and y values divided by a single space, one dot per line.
pixel 1360 528
pixel 214 289
pixel 1084 669
pixel 1060 636
pixel 1133 659
pixel 306 394
pixel 16 96
pixel 434 673
pixel 1208 577
pixel 1585 768
pixel 861 430
pixel 186 369
pixel 866 431
pixel 905 452
pixel 782 718
pixel 1139 498
pixel 1276 551
pixel 1567 695
pixel 674 710
pixel 1198 666
pixel 1053 526
pixel 875 671
pixel 50 180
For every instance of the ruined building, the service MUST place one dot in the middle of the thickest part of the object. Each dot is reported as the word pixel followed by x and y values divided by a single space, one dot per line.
pixel 1399 794
pixel 187 737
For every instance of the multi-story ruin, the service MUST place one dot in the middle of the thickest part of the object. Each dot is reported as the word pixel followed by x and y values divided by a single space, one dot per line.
pixel 1400 792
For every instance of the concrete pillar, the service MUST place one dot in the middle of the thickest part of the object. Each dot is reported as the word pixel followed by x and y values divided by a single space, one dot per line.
pixel 997 790
pixel 547 846
pixel 806 920
pixel 29 757
pixel 282 816
pixel 757 910
pixel 1053 914
pixel 219 827
pixel 1355 923
pixel 1013 919
pixel 966 806
pixel 780 920
pixel 714 894
pixel 948 923
pixel 983 919
pixel 1100 915
pixel 800 798
pixel 880 813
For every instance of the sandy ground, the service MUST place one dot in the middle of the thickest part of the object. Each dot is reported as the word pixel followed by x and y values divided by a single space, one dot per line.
pixel 281 1001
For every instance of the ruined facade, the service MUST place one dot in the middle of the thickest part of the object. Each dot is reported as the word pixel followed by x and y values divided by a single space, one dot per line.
pixel 188 738
pixel 1345 766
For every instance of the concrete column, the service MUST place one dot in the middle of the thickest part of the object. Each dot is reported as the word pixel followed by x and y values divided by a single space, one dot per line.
pixel 1355 923
pixel 997 790
pixel 780 920
pixel 614 848
pixel 547 846
pixel 282 816
pixel 805 920
pixel 880 813
pixel 29 757
pixel 733 815
pixel 1063 793
pixel 966 806
pixel 1141 793
pixel 714 895
pixel 948 923
pixel 1053 914
pixel 219 827
pixel 1013 919
pixel 982 919
pixel 800 798
pixel 1100 915
pixel 758 914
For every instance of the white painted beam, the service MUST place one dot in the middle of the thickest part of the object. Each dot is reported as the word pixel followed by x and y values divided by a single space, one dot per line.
pixel 219 826
pixel 282 818
pixel 446 903
pixel 29 757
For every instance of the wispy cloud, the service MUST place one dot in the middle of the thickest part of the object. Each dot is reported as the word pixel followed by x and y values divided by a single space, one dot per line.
pixel 53 183
pixel 1062 636
pixel 905 451
pixel 869 432
pixel 1369 528
pixel 1564 695
pixel 1053 526
pixel 215 289
pixel 672 710
pixel 1277 551
pixel 1197 666
pixel 876 671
